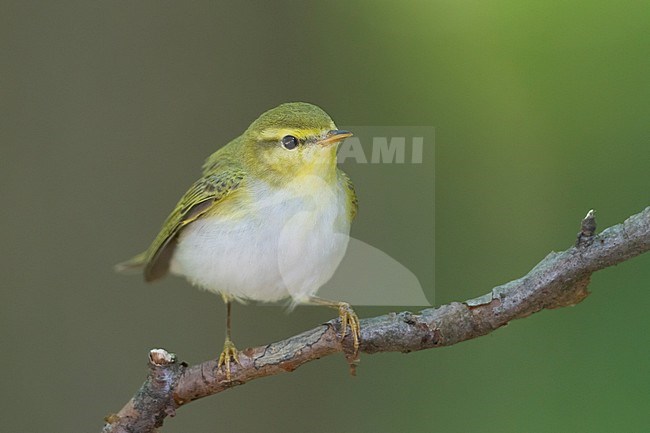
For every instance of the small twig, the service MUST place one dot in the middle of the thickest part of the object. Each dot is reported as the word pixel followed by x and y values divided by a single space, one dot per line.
pixel 559 280
pixel 154 401
pixel 587 229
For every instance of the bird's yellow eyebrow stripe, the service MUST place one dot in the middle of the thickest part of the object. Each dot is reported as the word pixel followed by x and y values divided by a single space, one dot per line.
pixel 277 133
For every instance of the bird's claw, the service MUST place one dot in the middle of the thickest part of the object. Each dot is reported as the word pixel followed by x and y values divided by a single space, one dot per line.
pixel 349 318
pixel 229 353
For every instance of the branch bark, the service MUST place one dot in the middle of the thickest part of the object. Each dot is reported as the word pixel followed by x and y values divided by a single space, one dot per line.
pixel 561 279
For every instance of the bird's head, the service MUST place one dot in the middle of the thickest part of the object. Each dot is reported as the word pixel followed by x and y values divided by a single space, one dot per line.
pixel 291 141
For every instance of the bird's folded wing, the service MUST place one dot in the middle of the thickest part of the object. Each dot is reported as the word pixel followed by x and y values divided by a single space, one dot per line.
pixel 202 196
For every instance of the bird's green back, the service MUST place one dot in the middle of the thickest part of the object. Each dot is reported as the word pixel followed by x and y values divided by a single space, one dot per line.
pixel 222 174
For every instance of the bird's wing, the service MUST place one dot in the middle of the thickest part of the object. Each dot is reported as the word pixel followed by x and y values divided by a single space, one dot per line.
pixel 202 196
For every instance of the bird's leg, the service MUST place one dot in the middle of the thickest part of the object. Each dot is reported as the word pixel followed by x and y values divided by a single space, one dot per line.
pixel 347 316
pixel 229 350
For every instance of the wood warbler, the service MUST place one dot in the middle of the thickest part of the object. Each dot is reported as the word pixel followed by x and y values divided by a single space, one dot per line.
pixel 268 220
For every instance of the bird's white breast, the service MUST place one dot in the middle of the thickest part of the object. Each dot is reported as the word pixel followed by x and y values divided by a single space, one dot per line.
pixel 288 243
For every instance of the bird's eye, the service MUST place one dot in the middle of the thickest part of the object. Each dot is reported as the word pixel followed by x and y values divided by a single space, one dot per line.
pixel 289 142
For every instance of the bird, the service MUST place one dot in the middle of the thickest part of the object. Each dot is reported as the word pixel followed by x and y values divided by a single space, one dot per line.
pixel 268 220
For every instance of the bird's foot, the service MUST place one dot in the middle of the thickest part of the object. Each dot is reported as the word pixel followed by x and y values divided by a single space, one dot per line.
pixel 349 318
pixel 229 354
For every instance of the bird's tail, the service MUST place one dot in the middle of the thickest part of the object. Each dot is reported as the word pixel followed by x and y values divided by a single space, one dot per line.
pixel 132 265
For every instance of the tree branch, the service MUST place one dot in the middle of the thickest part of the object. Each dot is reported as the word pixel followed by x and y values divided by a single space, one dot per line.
pixel 559 280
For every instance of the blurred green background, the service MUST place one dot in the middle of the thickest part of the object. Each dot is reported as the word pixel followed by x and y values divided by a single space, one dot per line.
pixel 108 109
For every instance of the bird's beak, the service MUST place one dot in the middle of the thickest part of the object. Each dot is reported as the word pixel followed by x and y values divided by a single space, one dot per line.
pixel 334 136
